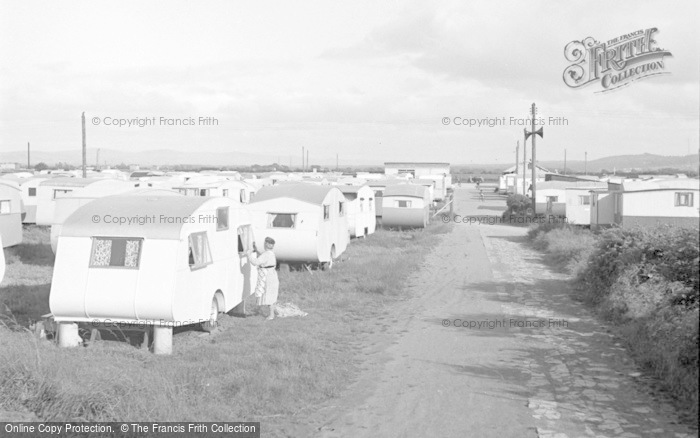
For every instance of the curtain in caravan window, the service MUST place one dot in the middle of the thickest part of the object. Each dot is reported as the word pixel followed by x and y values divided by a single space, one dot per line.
pixel 242 196
pixel 245 238
pixel 222 218
pixel 117 252
pixel 102 252
pixel 271 220
pixel 281 220
pixel 131 255
pixel 199 253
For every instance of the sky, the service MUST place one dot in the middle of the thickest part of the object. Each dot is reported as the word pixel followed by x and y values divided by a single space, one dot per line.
pixel 370 81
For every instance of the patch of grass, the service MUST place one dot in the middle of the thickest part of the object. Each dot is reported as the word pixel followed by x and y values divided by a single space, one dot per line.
pixel 566 246
pixel 251 370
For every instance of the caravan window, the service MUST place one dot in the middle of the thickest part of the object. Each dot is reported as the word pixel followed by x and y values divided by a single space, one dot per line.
pixel 57 193
pixel 32 191
pixel 199 253
pixel 341 209
pixel 224 193
pixel 684 199
pixel 242 197
pixel 115 252
pixel 584 200
pixel 222 218
pixel 203 192
pixel 281 220
pixel 183 191
pixel 403 204
pixel 5 207
pixel 552 198
pixel 245 238
pixel 326 212
pixel 371 203
pixel 362 204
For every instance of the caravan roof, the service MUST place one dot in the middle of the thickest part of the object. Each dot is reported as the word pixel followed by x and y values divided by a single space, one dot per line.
pixel 311 193
pixel 349 189
pixel 410 190
pixel 177 210
pixel 70 182
pixel 633 185
pixel 563 185
pixel 10 183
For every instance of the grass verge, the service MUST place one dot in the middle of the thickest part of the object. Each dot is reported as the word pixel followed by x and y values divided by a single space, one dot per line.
pixel 645 281
pixel 251 370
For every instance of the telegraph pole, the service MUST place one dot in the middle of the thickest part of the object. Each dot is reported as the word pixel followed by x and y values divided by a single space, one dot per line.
pixel 524 161
pixel 517 154
pixel 564 161
pixel 534 133
pixel 84 149
pixel 29 161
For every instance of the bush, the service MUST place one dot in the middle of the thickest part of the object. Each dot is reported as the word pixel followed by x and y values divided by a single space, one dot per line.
pixel 517 204
pixel 646 282
pixel 666 252
pixel 567 246
pixel 545 227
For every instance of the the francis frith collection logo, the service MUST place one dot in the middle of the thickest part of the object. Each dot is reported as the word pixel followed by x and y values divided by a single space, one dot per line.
pixel 615 63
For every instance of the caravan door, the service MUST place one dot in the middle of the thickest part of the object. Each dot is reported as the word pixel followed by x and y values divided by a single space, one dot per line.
pixel 247 274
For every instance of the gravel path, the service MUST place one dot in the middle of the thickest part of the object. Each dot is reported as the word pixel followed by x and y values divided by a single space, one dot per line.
pixel 493 345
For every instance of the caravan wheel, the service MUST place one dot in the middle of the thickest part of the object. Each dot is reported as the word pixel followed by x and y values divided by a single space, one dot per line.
pixel 210 325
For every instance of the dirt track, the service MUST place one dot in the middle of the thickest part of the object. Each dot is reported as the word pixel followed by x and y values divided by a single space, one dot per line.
pixel 539 365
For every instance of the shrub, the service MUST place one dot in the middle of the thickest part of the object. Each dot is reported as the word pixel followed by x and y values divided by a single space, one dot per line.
pixel 545 227
pixel 668 252
pixel 517 204
pixel 646 281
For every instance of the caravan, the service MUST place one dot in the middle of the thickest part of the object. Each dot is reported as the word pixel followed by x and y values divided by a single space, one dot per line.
pixel 406 205
pixel 163 261
pixel 360 210
pixel 307 221
pixel 10 213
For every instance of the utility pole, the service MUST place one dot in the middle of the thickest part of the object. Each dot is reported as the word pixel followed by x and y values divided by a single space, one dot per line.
pixel 564 161
pixel 29 161
pixel 307 160
pixel 524 162
pixel 517 154
pixel 534 133
pixel 84 148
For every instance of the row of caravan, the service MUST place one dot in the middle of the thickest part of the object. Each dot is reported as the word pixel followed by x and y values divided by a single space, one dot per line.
pixel 160 258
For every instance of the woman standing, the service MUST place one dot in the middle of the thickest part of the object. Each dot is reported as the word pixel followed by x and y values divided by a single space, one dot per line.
pixel 268 283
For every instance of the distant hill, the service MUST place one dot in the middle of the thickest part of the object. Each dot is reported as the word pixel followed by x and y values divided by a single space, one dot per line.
pixel 168 157
pixel 631 163
pixel 621 163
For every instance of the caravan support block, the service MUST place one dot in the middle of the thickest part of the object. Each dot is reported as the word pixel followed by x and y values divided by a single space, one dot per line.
pixel 162 340
pixel 68 334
